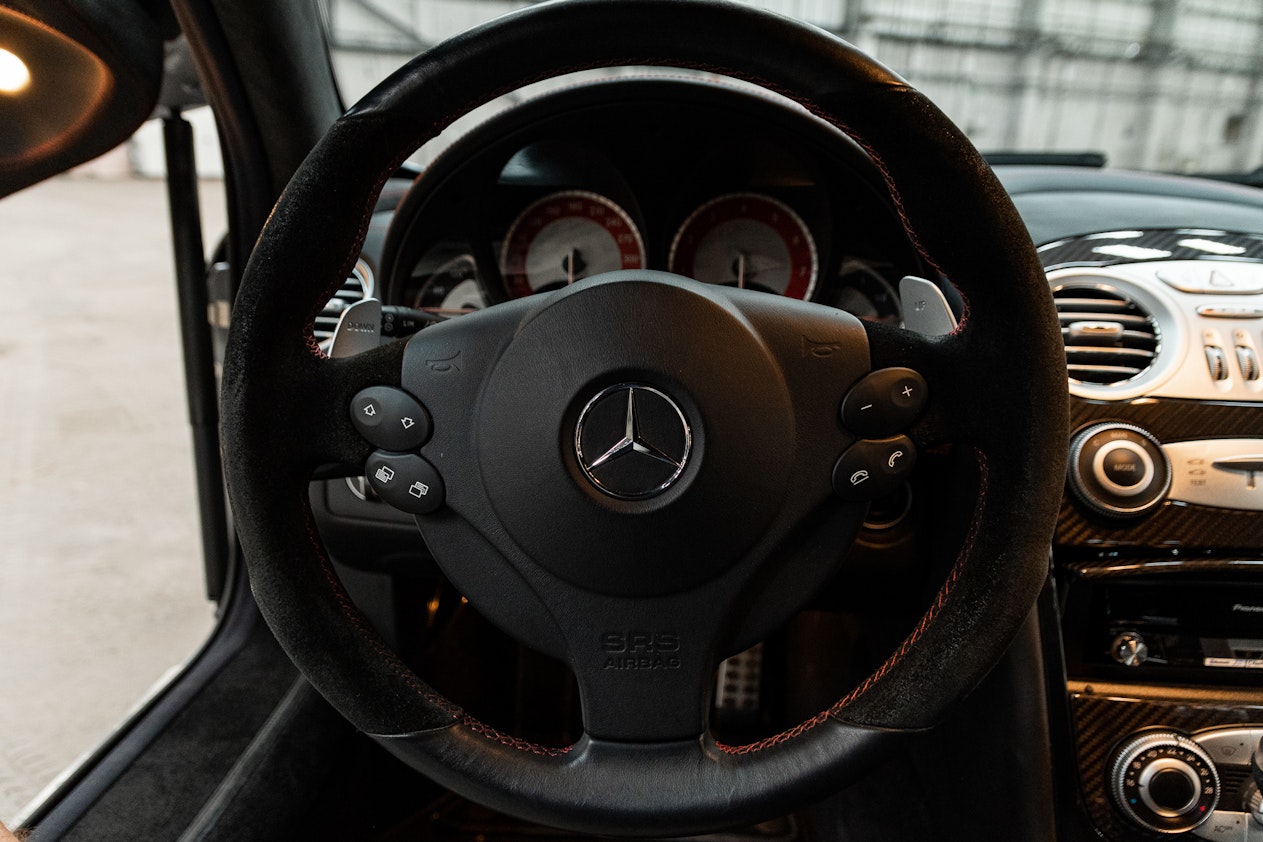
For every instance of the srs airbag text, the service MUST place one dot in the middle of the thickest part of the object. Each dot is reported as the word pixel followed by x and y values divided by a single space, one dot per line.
pixel 641 650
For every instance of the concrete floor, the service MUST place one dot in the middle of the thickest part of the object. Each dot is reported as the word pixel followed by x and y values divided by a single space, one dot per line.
pixel 101 590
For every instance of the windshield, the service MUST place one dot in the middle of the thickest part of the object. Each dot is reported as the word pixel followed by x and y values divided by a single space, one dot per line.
pixel 1169 86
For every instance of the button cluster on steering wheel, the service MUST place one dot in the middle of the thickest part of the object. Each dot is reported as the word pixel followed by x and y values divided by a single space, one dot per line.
pixel 396 422
pixel 405 481
pixel 390 418
pixel 879 407
pixel 884 402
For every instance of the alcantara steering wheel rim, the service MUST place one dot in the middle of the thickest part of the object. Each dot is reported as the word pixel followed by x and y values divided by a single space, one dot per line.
pixel 285 411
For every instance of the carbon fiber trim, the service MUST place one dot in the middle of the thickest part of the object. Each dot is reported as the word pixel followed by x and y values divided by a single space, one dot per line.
pixel 1164 244
pixel 1173 420
pixel 1102 722
pixel 1171 526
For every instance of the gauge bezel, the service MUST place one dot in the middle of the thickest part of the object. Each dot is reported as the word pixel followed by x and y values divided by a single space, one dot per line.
pixel 787 225
pixel 534 219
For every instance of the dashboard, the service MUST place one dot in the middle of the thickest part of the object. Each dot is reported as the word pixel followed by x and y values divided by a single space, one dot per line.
pixel 1158 552
pixel 1159 546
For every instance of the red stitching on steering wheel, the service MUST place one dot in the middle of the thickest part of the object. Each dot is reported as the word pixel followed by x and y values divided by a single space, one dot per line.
pixel 511 741
pixel 908 642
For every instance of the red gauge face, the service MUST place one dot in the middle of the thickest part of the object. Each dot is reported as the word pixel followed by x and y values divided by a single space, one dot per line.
pixel 747 240
pixel 567 236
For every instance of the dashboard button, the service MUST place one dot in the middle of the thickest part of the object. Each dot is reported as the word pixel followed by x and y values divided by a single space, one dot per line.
pixel 870 469
pixel 884 402
pixel 390 418
pixel 1212 311
pixel 1218 281
pixel 1123 467
pixel 405 481
pixel 1172 791
pixel 1217 362
pixel 1248 362
pixel 1225 826
pixel 1229 746
pixel 1218 472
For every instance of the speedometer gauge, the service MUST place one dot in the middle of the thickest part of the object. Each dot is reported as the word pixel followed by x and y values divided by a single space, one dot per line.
pixel 567 236
pixel 747 240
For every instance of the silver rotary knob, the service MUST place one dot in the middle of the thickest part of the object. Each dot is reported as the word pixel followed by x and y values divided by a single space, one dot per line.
pixel 1129 649
pixel 1118 470
pixel 1164 782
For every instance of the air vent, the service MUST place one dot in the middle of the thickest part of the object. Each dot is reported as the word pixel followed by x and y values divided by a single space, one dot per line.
pixel 357 287
pixel 1108 337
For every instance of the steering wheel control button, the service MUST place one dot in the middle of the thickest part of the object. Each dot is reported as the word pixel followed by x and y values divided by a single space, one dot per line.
pixel 1118 470
pixel 632 441
pixel 1164 782
pixel 884 402
pixel 870 469
pixel 405 481
pixel 390 418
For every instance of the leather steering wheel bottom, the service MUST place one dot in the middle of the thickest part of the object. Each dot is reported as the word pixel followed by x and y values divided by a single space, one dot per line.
pixel 577 573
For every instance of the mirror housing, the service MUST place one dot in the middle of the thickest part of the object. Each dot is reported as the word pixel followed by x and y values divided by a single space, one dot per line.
pixel 77 78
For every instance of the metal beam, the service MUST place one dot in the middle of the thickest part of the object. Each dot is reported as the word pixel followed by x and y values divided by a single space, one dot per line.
pixel 410 41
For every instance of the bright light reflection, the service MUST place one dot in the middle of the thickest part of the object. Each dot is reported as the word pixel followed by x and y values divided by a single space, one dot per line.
pixel 1115 235
pixel 14 77
pixel 1211 246
pixel 1132 252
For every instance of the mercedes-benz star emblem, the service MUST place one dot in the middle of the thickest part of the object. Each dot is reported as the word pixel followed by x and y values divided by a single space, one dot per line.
pixel 632 441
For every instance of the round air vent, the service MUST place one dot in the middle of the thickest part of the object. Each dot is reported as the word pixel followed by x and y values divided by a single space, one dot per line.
pixel 1109 338
pixel 357 287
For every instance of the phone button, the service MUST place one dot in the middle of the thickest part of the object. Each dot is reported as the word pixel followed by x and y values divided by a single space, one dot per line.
pixel 873 468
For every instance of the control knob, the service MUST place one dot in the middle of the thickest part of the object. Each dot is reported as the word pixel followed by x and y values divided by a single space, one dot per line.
pixel 1129 649
pixel 1118 470
pixel 1164 782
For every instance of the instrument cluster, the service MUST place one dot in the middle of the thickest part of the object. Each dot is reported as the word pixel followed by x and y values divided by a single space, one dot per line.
pixel 706 181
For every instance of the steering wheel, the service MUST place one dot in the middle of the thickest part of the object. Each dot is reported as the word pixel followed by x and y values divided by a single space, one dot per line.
pixel 640 474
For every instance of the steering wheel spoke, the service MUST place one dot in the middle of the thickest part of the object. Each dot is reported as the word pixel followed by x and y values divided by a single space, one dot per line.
pixel 645 668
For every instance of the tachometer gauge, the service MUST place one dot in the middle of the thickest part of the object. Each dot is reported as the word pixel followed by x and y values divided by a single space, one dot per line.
pixel 567 236
pixel 747 240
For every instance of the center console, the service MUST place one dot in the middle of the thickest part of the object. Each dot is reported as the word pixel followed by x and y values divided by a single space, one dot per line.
pixel 1159 545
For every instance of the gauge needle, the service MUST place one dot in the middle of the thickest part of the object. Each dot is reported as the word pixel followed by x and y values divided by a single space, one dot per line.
pixel 748 266
pixel 573 264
